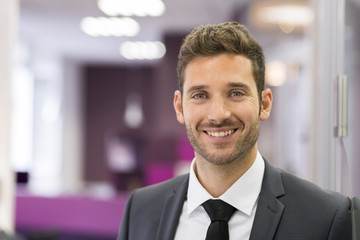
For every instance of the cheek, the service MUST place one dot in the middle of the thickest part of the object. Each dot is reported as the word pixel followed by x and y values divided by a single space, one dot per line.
pixel 191 119
pixel 247 112
pixel 193 116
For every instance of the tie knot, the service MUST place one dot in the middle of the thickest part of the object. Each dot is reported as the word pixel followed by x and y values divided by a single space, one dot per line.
pixel 218 210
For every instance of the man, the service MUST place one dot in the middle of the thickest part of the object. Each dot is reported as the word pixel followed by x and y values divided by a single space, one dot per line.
pixel 221 100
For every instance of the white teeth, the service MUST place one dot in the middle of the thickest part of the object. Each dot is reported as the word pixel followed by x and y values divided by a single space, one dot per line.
pixel 220 134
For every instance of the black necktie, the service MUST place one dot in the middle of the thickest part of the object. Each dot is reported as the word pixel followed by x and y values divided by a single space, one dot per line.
pixel 219 212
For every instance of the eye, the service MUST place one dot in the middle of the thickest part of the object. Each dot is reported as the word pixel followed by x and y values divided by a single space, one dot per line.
pixel 199 96
pixel 237 94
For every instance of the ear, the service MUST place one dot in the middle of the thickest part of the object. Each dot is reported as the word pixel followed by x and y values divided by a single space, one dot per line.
pixel 266 104
pixel 178 107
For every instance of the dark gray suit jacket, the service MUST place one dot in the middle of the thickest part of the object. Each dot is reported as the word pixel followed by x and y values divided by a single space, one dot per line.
pixel 288 208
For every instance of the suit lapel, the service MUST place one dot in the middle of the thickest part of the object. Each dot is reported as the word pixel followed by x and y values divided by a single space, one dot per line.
pixel 172 210
pixel 269 209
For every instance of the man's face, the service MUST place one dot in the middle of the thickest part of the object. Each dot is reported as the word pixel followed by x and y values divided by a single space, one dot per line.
pixel 220 108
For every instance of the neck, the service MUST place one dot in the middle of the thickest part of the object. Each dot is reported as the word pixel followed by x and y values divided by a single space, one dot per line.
pixel 217 179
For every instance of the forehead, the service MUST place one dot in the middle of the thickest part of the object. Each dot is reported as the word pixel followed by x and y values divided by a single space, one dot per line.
pixel 219 70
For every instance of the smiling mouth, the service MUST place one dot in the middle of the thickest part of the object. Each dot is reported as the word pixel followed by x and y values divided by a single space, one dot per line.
pixel 221 134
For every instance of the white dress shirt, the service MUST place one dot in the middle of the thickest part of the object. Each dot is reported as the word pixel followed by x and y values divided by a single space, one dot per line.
pixel 243 195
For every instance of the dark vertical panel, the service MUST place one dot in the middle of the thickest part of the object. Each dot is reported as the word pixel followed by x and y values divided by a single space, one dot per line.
pixel 166 83
pixel 106 89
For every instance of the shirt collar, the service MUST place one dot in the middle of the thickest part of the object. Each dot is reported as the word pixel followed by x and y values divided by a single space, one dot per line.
pixel 242 194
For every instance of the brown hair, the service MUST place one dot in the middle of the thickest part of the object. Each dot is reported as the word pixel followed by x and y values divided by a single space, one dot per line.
pixel 229 37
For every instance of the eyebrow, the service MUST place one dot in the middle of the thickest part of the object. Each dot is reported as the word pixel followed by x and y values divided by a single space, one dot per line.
pixel 238 85
pixel 196 88
pixel 229 85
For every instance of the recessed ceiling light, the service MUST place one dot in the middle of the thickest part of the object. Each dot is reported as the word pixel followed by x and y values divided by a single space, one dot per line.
pixel 287 14
pixel 140 8
pixel 142 50
pixel 113 26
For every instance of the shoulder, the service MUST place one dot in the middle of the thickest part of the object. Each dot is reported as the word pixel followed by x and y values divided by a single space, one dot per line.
pixel 161 190
pixel 147 208
pixel 308 206
pixel 308 192
pixel 303 199
pixel 147 203
pixel 292 190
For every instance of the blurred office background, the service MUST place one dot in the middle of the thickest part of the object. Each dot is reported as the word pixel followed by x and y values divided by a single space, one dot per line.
pixel 86 92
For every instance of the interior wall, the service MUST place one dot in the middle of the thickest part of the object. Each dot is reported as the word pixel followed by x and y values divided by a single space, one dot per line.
pixel 105 94
pixel 105 90
pixel 8 27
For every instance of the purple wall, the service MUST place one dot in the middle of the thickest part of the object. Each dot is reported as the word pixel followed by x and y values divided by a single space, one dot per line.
pixel 76 215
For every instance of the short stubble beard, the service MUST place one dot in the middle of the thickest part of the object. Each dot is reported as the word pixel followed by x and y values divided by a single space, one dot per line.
pixel 242 150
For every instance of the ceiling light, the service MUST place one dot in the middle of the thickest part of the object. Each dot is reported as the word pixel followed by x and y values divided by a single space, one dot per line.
pixel 275 74
pixel 287 14
pixel 113 26
pixel 142 50
pixel 140 8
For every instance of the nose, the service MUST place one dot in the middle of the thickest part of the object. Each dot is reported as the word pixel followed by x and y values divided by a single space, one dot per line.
pixel 218 111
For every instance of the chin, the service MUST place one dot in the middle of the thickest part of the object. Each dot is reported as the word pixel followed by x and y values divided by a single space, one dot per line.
pixel 220 160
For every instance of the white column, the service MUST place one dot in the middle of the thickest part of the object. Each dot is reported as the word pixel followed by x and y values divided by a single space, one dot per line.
pixel 46 169
pixel 8 29
pixel 72 164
